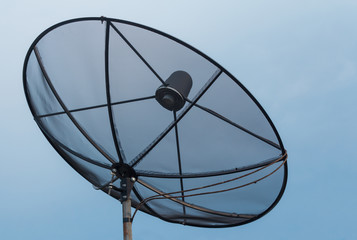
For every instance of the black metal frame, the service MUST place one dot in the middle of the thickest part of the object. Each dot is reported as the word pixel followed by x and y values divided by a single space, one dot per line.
pixel 116 140
pixel 96 106
pixel 57 145
pixel 179 162
pixel 48 135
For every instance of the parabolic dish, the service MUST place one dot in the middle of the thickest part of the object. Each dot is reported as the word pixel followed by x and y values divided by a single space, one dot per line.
pixel 91 85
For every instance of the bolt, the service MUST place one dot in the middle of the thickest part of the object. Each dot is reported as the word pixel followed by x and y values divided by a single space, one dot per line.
pixel 132 179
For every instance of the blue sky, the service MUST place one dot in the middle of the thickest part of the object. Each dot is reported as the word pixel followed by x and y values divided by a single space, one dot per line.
pixel 298 58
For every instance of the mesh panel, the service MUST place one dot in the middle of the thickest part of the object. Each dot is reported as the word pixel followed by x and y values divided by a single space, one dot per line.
pixel 163 157
pixel 250 200
pixel 209 144
pixel 164 208
pixel 74 59
pixel 139 123
pixel 41 97
pixel 105 74
pixel 90 120
pixel 237 106
pixel 96 175
pixel 130 78
pixel 63 129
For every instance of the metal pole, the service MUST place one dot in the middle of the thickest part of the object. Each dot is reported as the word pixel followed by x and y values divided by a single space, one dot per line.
pixel 126 185
pixel 127 219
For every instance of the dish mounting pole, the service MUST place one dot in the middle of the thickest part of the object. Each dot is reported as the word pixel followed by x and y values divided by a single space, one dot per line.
pixel 126 185
pixel 127 177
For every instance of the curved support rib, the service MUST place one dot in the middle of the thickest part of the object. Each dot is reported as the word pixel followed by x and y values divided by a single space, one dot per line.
pixel 116 140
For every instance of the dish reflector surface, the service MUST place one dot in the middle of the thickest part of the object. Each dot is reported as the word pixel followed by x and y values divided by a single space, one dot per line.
pixel 90 84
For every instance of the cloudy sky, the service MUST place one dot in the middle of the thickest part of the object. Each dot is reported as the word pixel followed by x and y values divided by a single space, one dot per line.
pixel 298 58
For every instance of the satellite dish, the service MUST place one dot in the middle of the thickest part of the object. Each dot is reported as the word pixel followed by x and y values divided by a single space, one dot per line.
pixel 155 123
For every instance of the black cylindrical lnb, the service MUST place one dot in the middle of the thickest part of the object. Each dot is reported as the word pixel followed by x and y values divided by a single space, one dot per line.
pixel 173 93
